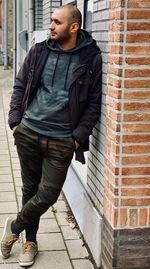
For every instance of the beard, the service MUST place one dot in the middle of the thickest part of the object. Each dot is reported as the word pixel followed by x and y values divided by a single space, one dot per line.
pixel 62 37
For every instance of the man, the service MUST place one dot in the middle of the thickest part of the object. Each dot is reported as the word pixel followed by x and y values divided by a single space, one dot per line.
pixel 54 107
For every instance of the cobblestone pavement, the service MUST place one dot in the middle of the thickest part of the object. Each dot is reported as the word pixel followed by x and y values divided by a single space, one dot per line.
pixel 60 246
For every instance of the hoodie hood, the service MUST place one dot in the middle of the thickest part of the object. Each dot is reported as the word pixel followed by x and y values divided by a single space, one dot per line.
pixel 84 39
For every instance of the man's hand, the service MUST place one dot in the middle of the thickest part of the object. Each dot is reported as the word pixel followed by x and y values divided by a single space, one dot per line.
pixel 14 128
pixel 77 145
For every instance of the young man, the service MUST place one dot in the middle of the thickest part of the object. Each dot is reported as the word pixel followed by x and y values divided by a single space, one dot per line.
pixel 54 107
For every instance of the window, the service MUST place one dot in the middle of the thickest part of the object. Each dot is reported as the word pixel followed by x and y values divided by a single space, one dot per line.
pixel 88 11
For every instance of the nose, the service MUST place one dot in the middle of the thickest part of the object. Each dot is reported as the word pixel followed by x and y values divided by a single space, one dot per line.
pixel 51 27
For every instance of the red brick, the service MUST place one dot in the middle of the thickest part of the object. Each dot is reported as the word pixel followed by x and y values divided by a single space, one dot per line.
pixel 136 149
pixel 137 83
pixel 133 217
pixel 135 202
pixel 116 26
pixel 115 37
pixel 136 138
pixel 123 217
pixel 114 59
pixel 138 26
pixel 114 81
pixel 115 126
pixel 130 73
pixel 135 192
pixel 136 181
pixel 138 37
pixel 114 217
pixel 136 117
pixel 136 160
pixel 114 169
pixel 138 14
pixel 116 3
pixel 136 128
pixel 136 106
pixel 115 49
pixel 137 95
pixel 138 50
pixel 113 114
pixel 115 70
pixel 116 15
pixel 110 176
pixel 138 4
pixel 112 103
pixel 112 198
pixel 143 216
pixel 140 61
pixel 136 171
pixel 114 92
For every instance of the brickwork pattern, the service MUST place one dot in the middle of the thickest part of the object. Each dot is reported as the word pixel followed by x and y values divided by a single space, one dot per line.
pixel 127 170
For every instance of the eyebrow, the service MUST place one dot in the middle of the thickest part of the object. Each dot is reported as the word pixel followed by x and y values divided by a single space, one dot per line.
pixel 55 20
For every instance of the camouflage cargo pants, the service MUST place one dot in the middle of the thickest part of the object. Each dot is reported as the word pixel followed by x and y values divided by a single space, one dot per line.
pixel 44 163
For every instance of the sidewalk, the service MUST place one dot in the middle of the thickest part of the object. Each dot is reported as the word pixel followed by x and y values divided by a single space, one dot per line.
pixel 60 246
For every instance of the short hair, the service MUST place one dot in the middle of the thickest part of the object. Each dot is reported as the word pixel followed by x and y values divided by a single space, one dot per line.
pixel 74 15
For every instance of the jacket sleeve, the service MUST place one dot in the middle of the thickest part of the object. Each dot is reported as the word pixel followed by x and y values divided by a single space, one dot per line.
pixel 92 111
pixel 15 112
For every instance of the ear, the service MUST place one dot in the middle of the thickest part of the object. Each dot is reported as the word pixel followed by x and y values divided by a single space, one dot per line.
pixel 74 27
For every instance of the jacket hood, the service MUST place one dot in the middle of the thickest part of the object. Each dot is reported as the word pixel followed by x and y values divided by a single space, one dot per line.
pixel 84 39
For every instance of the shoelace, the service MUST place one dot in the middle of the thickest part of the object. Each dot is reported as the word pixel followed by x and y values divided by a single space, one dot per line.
pixel 11 241
pixel 27 247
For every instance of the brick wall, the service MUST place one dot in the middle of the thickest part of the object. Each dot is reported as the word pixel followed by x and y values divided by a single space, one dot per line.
pixel 127 164
pixel 95 175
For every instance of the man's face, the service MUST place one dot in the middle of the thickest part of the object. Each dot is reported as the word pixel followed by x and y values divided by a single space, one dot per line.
pixel 59 27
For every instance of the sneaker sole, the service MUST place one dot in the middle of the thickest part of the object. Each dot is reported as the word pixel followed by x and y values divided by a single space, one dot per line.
pixel 3 237
pixel 27 263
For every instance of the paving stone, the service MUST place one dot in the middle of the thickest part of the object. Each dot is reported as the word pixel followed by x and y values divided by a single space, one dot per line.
pixel 51 241
pixel 8 207
pixel 4 187
pixel 3 218
pixel 76 249
pixel 52 260
pixel 48 214
pixel 7 196
pixel 60 206
pixel 82 264
pixel 69 233
pixel 48 226
pixel 62 218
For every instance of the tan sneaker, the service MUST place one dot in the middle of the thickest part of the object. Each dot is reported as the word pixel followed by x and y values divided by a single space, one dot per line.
pixel 28 253
pixel 8 239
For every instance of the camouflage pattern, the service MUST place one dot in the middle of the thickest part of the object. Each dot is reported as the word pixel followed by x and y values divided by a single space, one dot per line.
pixel 44 164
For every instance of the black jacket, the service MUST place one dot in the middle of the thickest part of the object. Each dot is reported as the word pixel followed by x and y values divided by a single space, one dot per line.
pixel 84 92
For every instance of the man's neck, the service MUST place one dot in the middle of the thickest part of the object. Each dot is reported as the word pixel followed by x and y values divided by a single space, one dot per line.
pixel 71 44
